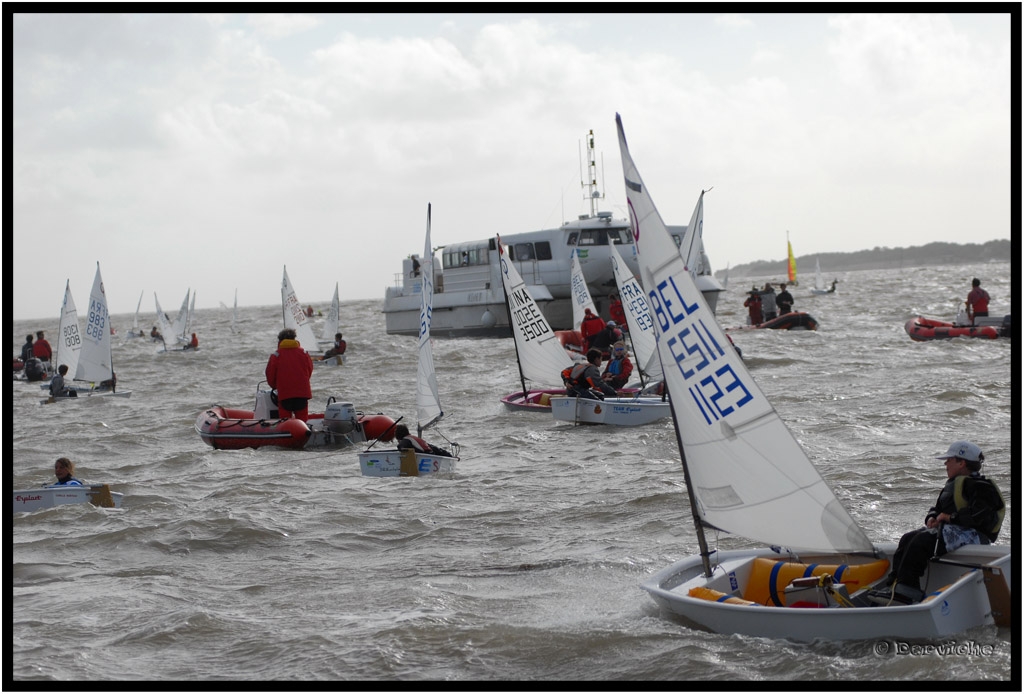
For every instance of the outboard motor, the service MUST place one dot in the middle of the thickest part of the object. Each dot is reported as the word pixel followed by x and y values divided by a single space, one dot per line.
pixel 1007 326
pixel 266 405
pixel 34 370
pixel 340 417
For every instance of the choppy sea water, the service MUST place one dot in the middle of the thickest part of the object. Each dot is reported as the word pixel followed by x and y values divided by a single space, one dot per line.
pixel 290 566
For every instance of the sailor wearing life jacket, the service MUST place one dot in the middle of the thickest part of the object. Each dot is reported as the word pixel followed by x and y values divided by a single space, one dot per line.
pixel 584 380
pixel 969 510
pixel 64 470
pixel 408 441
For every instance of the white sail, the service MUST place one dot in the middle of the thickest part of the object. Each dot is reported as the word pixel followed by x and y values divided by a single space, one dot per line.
pixel 295 316
pixel 180 321
pixel 819 283
pixel 333 317
pixel 541 355
pixel 163 325
pixel 747 473
pixel 135 321
pixel 234 314
pixel 638 318
pixel 190 318
pixel 580 294
pixel 428 403
pixel 94 363
pixel 69 340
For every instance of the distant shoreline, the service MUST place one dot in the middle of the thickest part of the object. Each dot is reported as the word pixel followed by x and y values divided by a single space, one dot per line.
pixel 929 255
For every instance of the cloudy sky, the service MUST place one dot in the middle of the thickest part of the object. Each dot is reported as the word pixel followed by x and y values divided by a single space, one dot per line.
pixel 209 151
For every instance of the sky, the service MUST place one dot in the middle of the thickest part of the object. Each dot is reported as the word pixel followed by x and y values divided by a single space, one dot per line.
pixel 209 151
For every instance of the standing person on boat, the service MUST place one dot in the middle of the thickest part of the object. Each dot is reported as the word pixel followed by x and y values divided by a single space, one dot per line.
pixel 768 303
pixel 591 325
pixel 407 440
pixel 415 266
pixel 977 301
pixel 57 387
pixel 753 304
pixel 969 511
pixel 619 367
pixel 584 380
pixel 41 349
pixel 832 289
pixel 617 313
pixel 26 349
pixel 288 372
pixel 64 469
pixel 339 347
pixel 784 300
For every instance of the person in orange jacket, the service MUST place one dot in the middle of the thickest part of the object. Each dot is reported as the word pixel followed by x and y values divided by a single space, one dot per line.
pixel 288 372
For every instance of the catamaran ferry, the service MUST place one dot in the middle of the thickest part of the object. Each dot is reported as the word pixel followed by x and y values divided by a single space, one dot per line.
pixel 469 300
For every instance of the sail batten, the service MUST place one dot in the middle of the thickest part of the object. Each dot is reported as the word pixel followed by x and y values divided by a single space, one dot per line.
pixel 748 475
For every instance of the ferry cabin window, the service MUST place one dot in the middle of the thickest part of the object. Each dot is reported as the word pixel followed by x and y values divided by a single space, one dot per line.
pixel 531 251
pixel 620 236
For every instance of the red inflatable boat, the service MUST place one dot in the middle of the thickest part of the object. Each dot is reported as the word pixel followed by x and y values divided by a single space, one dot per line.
pixel 923 329
pixel 339 425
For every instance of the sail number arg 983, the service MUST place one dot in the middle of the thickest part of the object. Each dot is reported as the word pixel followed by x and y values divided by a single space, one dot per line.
pixel 527 316
pixel 699 357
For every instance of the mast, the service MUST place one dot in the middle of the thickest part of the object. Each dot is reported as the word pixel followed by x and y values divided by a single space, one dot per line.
pixel 511 326
pixel 590 183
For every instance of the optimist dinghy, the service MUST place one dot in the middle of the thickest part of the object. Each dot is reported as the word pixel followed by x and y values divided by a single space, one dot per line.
pixel 746 474
pixel 48 497
pixel 407 462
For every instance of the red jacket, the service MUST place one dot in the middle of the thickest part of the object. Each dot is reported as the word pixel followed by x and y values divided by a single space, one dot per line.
pixel 289 370
pixel 617 313
pixel 590 326
pixel 41 350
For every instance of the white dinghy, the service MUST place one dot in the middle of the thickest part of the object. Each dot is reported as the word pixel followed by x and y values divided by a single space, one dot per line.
pixel 623 412
pixel 47 497
pixel 746 474
pixel 410 463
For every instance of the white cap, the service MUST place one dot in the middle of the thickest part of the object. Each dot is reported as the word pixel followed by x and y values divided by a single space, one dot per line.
pixel 965 450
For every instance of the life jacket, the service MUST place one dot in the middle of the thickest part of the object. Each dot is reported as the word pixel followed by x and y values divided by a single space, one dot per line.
pixel 960 499
pixel 573 376
pixel 418 444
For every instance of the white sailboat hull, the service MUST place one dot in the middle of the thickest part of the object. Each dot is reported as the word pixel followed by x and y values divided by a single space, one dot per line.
pixel 406 463
pixel 626 412
pixel 84 395
pixel 48 497
pixel 961 599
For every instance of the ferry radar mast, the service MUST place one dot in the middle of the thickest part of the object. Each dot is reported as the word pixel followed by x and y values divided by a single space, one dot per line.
pixel 590 183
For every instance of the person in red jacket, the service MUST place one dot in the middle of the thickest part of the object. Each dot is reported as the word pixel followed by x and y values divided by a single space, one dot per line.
pixel 288 372
pixel 617 312
pixel 590 326
pixel 977 301
pixel 753 304
pixel 41 348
